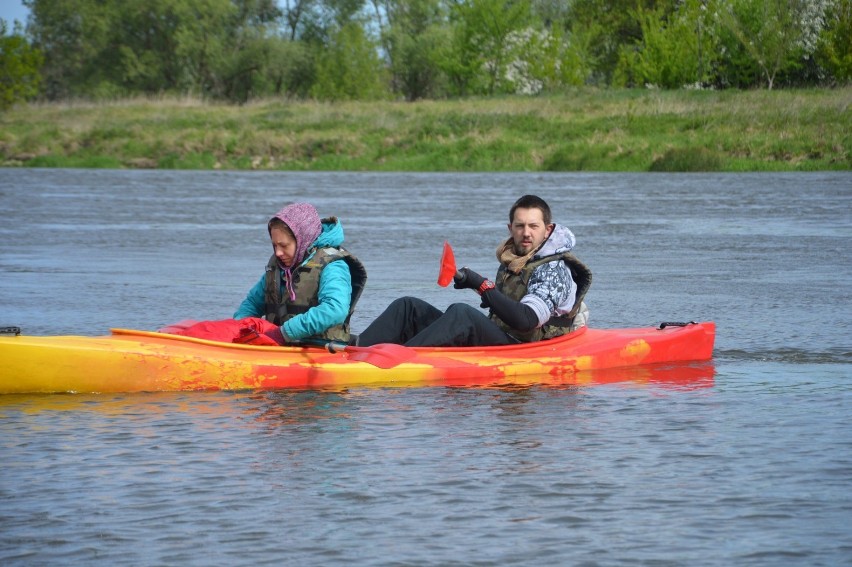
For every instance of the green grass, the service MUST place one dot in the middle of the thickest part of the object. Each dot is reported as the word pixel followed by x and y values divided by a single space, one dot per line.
pixel 584 130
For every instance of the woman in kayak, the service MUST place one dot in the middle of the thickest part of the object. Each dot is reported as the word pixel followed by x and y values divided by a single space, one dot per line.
pixel 311 283
pixel 538 292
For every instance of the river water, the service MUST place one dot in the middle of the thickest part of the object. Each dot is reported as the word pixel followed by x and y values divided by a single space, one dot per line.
pixel 749 465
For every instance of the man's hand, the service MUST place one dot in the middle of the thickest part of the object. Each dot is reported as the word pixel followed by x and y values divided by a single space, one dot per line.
pixel 466 278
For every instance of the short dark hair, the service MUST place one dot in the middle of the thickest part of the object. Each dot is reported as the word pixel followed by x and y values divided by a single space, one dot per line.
pixel 531 202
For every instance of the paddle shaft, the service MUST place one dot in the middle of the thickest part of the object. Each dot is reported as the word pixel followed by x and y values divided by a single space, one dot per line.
pixel 329 345
pixel 384 355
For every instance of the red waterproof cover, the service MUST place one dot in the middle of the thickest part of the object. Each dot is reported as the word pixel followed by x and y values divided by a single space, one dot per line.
pixel 246 331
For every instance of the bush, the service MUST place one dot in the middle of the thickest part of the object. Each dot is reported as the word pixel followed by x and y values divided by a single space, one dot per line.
pixel 687 159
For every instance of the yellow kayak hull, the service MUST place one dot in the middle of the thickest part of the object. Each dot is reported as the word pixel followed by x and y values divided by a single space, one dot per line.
pixel 141 361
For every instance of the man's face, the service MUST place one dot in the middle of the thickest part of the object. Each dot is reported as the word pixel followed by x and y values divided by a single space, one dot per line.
pixel 528 230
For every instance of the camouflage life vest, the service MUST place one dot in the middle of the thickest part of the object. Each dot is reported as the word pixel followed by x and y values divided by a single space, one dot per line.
pixel 514 286
pixel 306 280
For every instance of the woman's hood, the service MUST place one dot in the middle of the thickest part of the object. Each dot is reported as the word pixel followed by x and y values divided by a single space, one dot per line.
pixel 331 235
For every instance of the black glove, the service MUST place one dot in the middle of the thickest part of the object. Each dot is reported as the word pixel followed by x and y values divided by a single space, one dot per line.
pixel 277 335
pixel 467 279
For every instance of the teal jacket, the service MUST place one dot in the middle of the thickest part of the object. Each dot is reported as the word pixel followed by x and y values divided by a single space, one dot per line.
pixel 335 293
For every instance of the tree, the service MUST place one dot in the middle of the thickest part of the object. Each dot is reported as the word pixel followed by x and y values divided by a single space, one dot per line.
pixel 546 60
pixel 552 13
pixel 20 64
pixel 289 69
pixel 674 51
pixel 144 37
pixel 481 46
pixel 606 26
pixel 834 51
pixel 74 36
pixel 296 12
pixel 413 34
pixel 349 67
pixel 107 48
pixel 775 33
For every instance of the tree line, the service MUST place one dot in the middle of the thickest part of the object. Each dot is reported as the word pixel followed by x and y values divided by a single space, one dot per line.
pixel 238 50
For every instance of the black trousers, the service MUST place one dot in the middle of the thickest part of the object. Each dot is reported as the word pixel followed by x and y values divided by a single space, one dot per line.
pixel 411 321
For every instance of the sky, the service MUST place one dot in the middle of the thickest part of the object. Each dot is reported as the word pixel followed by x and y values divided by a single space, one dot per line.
pixel 11 10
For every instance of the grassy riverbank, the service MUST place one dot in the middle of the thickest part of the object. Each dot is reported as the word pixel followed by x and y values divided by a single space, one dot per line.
pixel 588 130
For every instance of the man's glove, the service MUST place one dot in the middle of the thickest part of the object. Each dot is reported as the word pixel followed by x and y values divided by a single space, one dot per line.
pixel 277 334
pixel 467 279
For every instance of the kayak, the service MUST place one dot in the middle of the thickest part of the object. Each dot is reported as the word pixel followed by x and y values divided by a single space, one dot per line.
pixel 145 361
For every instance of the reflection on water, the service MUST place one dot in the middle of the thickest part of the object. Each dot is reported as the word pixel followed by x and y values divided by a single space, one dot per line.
pixel 675 376
pixel 283 407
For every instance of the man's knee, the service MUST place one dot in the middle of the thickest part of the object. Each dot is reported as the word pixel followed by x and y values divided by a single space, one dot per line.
pixel 408 304
pixel 463 310
pixel 464 315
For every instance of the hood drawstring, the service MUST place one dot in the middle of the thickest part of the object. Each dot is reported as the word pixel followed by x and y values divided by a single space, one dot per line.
pixel 288 279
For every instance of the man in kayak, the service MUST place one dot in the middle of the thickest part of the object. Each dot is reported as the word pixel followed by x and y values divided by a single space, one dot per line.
pixel 311 283
pixel 538 292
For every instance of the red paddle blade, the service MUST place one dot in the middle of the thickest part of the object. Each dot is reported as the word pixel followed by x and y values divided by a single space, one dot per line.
pixel 448 266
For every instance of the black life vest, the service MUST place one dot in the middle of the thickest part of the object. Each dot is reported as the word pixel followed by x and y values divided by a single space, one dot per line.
pixel 306 279
pixel 514 286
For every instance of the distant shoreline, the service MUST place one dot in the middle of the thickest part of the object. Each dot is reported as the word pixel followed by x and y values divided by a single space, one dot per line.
pixel 584 130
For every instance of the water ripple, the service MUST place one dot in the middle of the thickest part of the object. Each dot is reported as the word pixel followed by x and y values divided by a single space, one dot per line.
pixel 746 460
pixel 787 355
